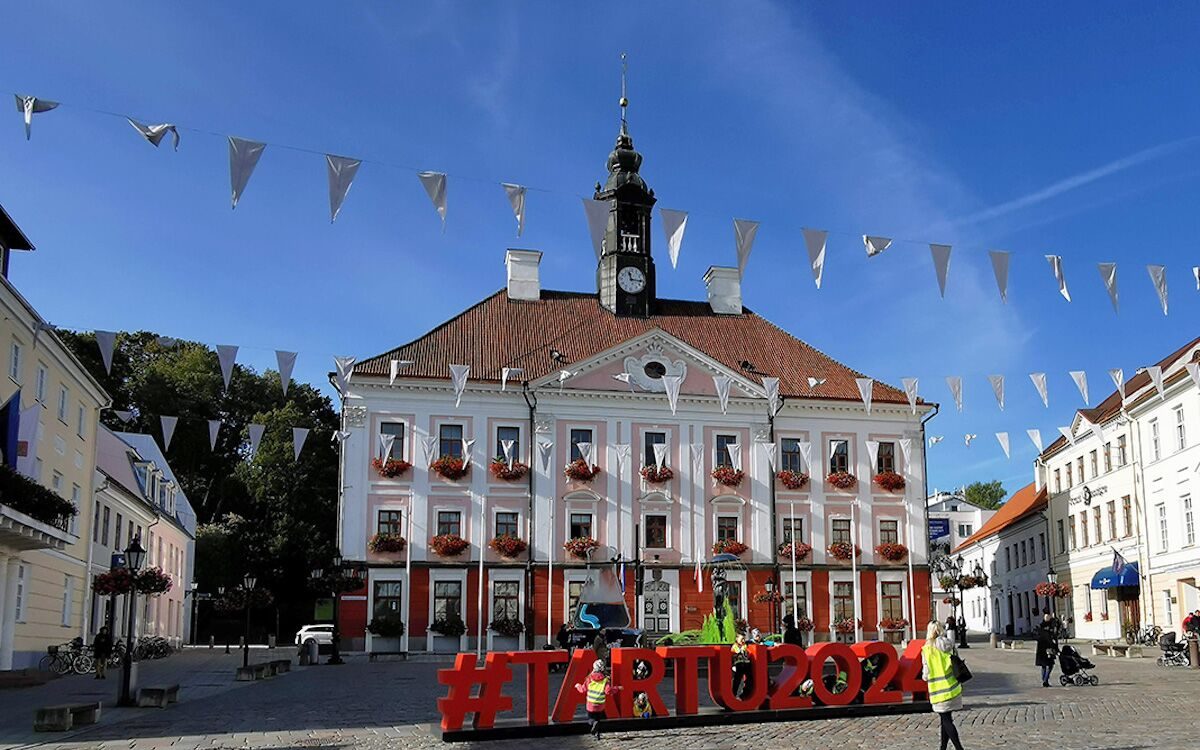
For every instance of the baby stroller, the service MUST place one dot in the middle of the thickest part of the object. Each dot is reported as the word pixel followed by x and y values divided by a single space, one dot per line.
pixel 1074 668
pixel 1174 654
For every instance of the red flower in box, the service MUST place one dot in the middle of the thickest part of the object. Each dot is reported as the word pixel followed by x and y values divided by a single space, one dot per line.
pixel 391 468
pixel 581 546
pixel 802 550
pixel 384 542
pixel 508 545
pixel 891 551
pixel 893 623
pixel 580 471
pixel 450 467
pixel 889 480
pixel 502 470
pixel 116 581
pixel 1087 617
pixel 765 597
pixel 728 476
pixel 845 625
pixel 729 547
pixel 792 480
pixel 843 550
pixel 655 475
pixel 448 545
pixel 843 480
pixel 804 625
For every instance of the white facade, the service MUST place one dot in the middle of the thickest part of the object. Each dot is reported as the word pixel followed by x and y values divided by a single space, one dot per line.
pixel 962 519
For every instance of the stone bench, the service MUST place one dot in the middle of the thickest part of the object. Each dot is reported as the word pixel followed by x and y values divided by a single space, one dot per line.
pixel 282 665
pixel 157 696
pixel 244 674
pixel 1117 650
pixel 1012 645
pixel 64 717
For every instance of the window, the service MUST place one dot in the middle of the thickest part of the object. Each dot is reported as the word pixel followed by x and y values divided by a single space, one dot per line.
pixel 1074 544
pixel 839 455
pixel 790 458
pixel 886 458
pixel 1155 447
pixel 1042 544
pixel 655 370
pixel 450 437
pixel 390 522
pixel 1104 604
pixel 68 598
pixel 889 531
pixel 727 528
pixel 40 383
pixel 449 522
pixel 1024 554
pixel 56 483
pixel 1121 455
pixel 577 437
pixel 1107 457
pixel 506 523
pixel 1167 608
pixel 841 531
pixel 892 595
pixel 574 589
pixel 14 362
pixel 1058 480
pixel 843 601
pixel 1162 527
pixel 81 421
pixel 116 542
pixel 1096 524
pixel 507 433
pixel 1007 558
pixel 1070 483
pixel 1180 430
pixel 1112 519
pixel 1079 465
pixel 96 522
pixel 1062 537
pixel 723 442
pixel 733 596
pixel 1127 515
pixel 581 525
pixel 63 396
pixel 1083 528
pixel 652 439
pixel 1189 526
pixel 447 599
pixel 797 594
pixel 19 609
pixel 656 532
pixel 396 430
pixel 104 526
pixel 965 530
pixel 793 528
pixel 1095 465
pixel 506 604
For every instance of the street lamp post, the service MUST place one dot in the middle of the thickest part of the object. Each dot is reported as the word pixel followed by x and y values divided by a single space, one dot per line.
pixel 248 588
pixel 335 655
pixel 192 589
pixel 135 555
pixel 221 593
pixel 770 588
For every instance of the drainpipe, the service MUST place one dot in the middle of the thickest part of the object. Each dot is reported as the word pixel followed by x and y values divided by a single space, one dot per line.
pixel 925 513
pixel 531 402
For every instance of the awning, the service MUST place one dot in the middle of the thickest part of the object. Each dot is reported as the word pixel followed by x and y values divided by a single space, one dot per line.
pixel 1105 578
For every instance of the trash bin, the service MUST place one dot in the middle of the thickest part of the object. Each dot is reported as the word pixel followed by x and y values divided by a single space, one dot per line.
pixel 271 641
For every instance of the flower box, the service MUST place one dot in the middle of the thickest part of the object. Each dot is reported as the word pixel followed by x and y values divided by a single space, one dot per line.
pixel 729 547
pixel 1104 616
pixel 386 626
pixel 508 545
pixel 802 550
pixel 892 551
pixel 391 468
pixel 580 547
pixel 450 467
pixel 893 623
pixel 448 545
pixel 843 551
pixel 805 625
pixel 501 469
pixel 843 480
pixel 450 627
pixel 580 471
pixel 382 543
pixel 507 626
pixel 655 475
pixel 728 476
pixel 1087 617
pixel 844 625
pixel 792 480
pixel 889 480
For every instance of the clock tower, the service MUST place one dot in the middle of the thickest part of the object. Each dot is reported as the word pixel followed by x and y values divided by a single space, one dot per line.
pixel 625 274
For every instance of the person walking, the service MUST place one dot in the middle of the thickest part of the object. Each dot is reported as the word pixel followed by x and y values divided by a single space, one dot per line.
pixel 102 648
pixel 597 688
pixel 1047 647
pixel 945 691
pixel 791 634
pixel 741 665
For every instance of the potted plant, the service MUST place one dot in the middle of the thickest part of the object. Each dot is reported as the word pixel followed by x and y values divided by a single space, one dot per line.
pixel 655 475
pixel 448 545
pixel 447 633
pixel 506 634
pixel 802 550
pixel 391 468
pixel 843 551
pixel 891 551
pixel 450 467
pixel 889 481
pixel 580 471
pixel 384 543
pixel 513 472
pixel 947 582
pixel 792 480
pixel 152 582
pixel 805 626
pixel 843 480
pixel 580 547
pixel 508 545
pixel 728 476
pixel 386 630
pixel 729 547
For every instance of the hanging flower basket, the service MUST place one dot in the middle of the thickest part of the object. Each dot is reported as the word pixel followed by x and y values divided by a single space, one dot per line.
pixel 952 601
pixel 889 480
pixel 843 551
pixel 580 471
pixel 768 597
pixel 117 581
pixel 502 470
pixel 805 625
pixel 729 547
pixel 236 599
pixel 450 467
pixel 802 550
pixel 1064 590
pixel 655 475
pixel 391 468
pixel 507 626
pixel 728 476
pixel 843 480
pixel 792 480
pixel 1046 589
pixel 947 582
pixel 891 551
pixel 580 547
pixel 844 625
pixel 508 545
pixel 969 582
pixel 448 545
pixel 152 582
pixel 893 623
pixel 383 542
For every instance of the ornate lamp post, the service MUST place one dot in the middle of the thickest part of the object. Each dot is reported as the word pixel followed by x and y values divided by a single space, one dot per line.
pixel 248 583
pixel 135 555
pixel 192 590
pixel 769 586
pixel 952 568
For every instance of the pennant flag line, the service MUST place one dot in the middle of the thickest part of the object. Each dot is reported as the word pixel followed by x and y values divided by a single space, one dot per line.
pixel 214 428
pixel 743 234
pixel 876 245
pixel 1057 268
pixel 941 265
pixel 226 356
pixel 341 172
pixel 516 199
pixel 814 240
pixel 299 436
pixel 28 106
pixel 1039 382
pixel 155 133
pixel 1108 274
pixel 1080 378
pixel 256 433
pixel 674 223
pixel 597 218
pixel 1002 438
pixel 435 185
pixel 1158 277
pixel 997 382
pixel 1000 260
pixel 286 362
pixel 107 341
pixel 168 430
pixel 243 158
pixel 865 391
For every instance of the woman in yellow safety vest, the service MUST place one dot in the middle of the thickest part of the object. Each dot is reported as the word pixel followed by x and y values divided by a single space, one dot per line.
pixel 945 692
pixel 597 687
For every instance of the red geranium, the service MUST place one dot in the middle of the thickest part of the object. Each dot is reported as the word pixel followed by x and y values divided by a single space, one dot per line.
pixel 1087 617
pixel 802 550
pixel 152 582
pixel 580 471
pixel 845 625
pixel 728 546
pixel 804 625
pixel 843 550
pixel 728 476
pixel 889 480
pixel 116 581
pixel 893 623
pixel 793 480
pixel 843 480
pixel 384 542
pixel 581 546
pixel 1046 589
pixel 508 545
pixel 509 473
pixel 892 551
pixel 450 467
pixel 448 545
pixel 655 475
pixel 391 468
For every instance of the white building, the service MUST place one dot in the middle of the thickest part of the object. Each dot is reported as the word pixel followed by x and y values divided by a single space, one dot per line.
pixel 952 520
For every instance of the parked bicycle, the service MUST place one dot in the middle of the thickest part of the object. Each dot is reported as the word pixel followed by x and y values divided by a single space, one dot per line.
pixel 68 657
pixel 152 647
pixel 1147 636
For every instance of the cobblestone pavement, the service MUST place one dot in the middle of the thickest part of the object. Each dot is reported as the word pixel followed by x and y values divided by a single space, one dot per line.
pixel 391 706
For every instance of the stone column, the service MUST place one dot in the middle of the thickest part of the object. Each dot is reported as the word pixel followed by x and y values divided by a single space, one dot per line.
pixel 8 609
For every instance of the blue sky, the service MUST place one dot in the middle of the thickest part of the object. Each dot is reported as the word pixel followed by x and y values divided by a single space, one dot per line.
pixel 1068 130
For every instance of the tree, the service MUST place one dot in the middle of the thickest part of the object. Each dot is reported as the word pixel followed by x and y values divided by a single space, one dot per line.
pixel 985 494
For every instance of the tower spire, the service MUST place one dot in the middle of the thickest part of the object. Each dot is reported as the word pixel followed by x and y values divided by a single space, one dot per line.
pixel 624 101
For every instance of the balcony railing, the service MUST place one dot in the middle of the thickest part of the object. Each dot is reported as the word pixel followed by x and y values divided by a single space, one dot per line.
pixel 27 496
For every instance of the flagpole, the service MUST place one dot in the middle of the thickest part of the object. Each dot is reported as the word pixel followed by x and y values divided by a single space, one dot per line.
pixel 408 574
pixel 854 567
pixel 912 604
pixel 479 599
pixel 795 596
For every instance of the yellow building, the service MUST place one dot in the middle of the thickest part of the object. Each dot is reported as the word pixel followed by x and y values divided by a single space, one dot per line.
pixel 48 435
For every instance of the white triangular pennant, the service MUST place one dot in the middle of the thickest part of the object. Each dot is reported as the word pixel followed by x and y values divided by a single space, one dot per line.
pixel 506 446
pixel 1156 377
pixel 516 199
pixel 1002 438
pixel 865 388
pixel 458 378
pixel 386 441
pixel 1118 379
pixel 504 373
pixel 674 223
pixel 935 439
pixel 430 444
pixel 344 371
pixel 286 361
pixel 256 433
pixel 394 369
pixel 1066 432
pixel 771 385
pixel 1196 273
pixel 769 450
pixel 299 436
pixel 906 451
pixel 872 454
pixel 1000 260
pixel 28 106
pixel 660 455
pixel 671 384
pixel 1098 431
pixel 941 265
pixel 997 382
pixel 697 454
pixel 806 453
pixel 107 341
pixel 124 416
pixel 1108 274
pixel 814 382
pixel 910 390
pixel 226 356
pixel 625 378
pixel 954 383
pixel 876 245
pixel 243 158
pixel 1080 378
pixel 168 430
pixel 585 452
pixel 1193 369
pixel 1039 382
pixel 622 450
pixel 814 240
pixel 340 436
pixel 722 383
pixel 435 185
pixel 214 429
pixel 1158 277
pixel 1056 267
pixel 468 447
pixel 1036 437
pixel 155 133
pixel 341 171
pixel 735 455
pixel 743 235
pixel 563 377
pixel 545 453
pixel 597 219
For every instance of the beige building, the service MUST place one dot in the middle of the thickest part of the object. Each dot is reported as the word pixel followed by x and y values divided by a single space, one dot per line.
pixel 49 436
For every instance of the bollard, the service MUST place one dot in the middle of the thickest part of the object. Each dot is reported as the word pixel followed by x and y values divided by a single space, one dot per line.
pixel 212 640
pixel 271 641
pixel 1194 652
pixel 994 640
pixel 227 645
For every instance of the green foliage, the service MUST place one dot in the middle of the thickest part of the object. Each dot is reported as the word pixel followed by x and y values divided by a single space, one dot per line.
pixel 711 634
pixel 386 626
pixel 985 494
pixel 24 495
pixel 685 638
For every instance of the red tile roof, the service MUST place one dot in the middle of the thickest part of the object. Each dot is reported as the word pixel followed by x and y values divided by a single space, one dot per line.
pixel 1022 504
pixel 498 333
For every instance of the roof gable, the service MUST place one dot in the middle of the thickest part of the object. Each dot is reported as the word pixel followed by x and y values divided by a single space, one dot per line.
pixel 1020 505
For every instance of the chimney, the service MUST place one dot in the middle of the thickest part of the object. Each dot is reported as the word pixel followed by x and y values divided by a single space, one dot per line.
pixel 523 282
pixel 724 290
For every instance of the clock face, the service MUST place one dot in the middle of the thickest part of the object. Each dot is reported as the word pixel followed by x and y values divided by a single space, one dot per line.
pixel 631 279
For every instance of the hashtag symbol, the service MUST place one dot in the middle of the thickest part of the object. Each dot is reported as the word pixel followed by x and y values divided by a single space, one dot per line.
pixel 460 698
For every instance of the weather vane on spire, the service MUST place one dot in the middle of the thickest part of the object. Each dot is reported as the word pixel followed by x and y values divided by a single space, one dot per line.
pixel 624 101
